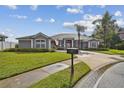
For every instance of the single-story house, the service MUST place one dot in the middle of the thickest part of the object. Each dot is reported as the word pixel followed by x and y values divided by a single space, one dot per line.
pixel 5 44
pixel 121 33
pixel 63 40
pixel 70 40
pixel 2 37
pixel 38 40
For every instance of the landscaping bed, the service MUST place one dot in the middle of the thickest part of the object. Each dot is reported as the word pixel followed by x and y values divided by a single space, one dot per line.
pixel 12 63
pixel 113 52
pixel 61 79
pixel 96 49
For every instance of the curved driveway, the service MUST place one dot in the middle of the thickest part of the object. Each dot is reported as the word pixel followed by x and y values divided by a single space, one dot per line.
pixel 96 60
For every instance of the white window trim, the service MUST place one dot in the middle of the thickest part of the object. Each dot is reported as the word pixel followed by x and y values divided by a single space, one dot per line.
pixel 94 42
pixel 40 39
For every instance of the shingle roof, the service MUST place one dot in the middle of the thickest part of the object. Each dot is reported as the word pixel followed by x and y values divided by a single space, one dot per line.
pixel 3 36
pixel 33 36
pixel 121 30
pixel 70 35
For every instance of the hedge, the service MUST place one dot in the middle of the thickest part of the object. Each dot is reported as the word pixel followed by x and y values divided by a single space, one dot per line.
pixel 28 50
pixel 97 49
pixel 120 46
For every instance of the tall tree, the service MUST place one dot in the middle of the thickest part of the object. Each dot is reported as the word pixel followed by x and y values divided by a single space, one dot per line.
pixel 106 28
pixel 79 29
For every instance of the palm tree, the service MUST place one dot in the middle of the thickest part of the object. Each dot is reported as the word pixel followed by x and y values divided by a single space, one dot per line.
pixel 79 28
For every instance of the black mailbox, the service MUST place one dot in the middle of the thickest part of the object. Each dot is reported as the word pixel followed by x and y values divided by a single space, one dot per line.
pixel 72 50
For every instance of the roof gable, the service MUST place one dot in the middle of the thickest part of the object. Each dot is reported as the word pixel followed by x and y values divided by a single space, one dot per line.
pixel 34 36
pixel 40 34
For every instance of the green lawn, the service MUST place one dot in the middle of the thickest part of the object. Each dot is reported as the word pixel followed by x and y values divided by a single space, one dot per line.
pixel 61 79
pixel 12 63
pixel 113 52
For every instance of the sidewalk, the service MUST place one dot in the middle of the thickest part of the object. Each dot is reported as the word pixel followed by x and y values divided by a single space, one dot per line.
pixel 26 79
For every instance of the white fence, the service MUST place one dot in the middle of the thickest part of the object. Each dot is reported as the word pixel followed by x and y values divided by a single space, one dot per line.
pixel 5 45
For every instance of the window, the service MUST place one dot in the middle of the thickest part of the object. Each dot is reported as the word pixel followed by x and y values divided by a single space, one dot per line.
pixel 40 44
pixel 94 44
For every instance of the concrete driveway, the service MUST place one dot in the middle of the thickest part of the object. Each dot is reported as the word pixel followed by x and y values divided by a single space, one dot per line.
pixel 96 60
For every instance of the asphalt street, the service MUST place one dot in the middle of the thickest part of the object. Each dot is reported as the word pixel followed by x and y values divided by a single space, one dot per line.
pixel 113 77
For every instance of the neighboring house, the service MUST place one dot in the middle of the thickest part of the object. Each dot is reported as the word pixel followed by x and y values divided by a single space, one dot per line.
pixel 64 40
pixel 5 44
pixel 121 33
pixel 70 40
pixel 39 40
pixel 2 37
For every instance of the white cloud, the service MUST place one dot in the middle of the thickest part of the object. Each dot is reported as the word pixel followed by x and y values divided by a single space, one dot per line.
pixel 120 22
pixel 75 9
pixel 52 20
pixel 10 33
pixel 59 6
pixel 34 7
pixel 91 17
pixel 13 7
pixel 39 20
pixel 118 13
pixel 19 16
pixel 102 6
pixel 86 21
pixel 72 10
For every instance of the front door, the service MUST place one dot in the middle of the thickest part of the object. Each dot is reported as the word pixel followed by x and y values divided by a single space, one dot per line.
pixel 68 43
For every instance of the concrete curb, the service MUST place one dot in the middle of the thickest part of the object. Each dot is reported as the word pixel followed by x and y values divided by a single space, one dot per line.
pixel 91 80
pixel 95 86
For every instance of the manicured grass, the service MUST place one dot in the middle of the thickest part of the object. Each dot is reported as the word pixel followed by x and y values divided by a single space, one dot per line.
pixel 12 63
pixel 61 79
pixel 113 52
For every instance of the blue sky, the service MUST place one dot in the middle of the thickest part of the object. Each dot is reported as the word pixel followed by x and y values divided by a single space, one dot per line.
pixel 17 21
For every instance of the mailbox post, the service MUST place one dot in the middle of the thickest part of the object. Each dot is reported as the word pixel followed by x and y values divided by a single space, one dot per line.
pixel 72 51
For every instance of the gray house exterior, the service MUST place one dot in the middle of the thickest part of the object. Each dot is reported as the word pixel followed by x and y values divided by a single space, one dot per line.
pixel 39 40
pixel 70 40
pixel 63 40
pixel 121 33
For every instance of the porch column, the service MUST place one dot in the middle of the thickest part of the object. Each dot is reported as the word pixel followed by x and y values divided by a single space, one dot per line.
pixel 88 44
pixel 31 43
pixel 49 43
pixel 72 43
pixel 64 43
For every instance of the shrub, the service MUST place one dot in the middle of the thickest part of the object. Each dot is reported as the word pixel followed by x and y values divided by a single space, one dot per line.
pixel 60 48
pixel 16 46
pixel 28 50
pixel 120 46
pixel 97 49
